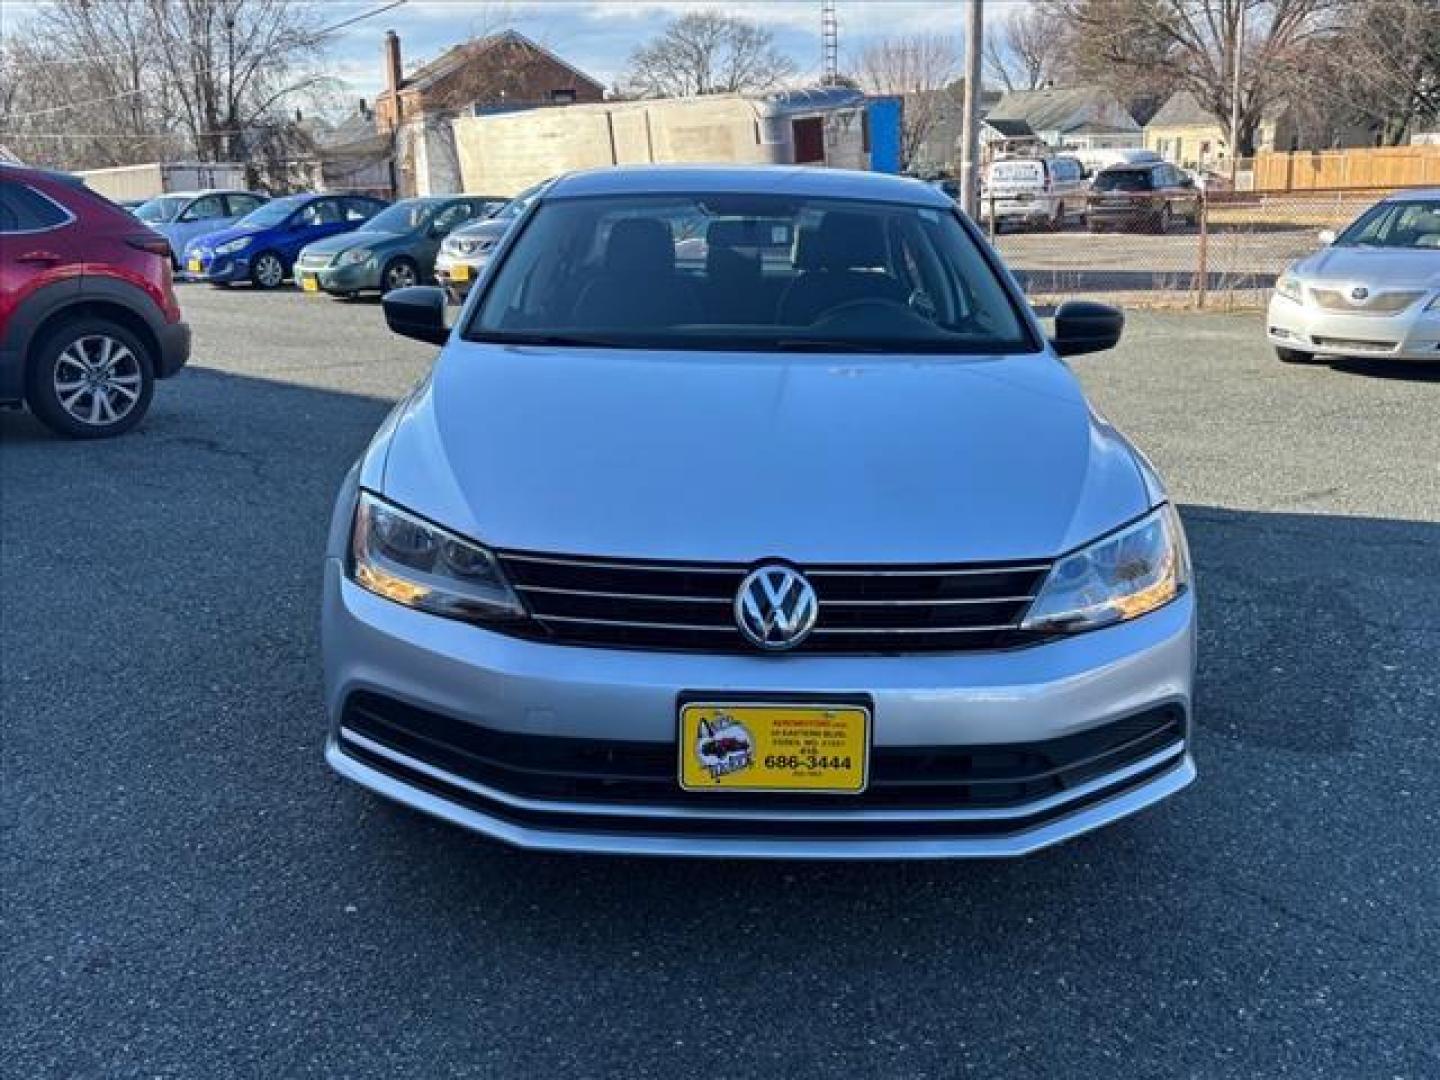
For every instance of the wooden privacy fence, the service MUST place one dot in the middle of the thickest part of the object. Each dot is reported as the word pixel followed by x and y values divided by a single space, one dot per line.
pixel 1338 170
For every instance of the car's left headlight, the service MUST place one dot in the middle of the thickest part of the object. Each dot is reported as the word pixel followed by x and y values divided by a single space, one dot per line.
pixel 1289 286
pixel 404 558
pixel 233 246
pixel 1121 576
pixel 355 256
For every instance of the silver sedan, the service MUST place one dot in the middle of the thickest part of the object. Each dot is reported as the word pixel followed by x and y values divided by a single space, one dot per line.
pixel 1373 291
pixel 808 548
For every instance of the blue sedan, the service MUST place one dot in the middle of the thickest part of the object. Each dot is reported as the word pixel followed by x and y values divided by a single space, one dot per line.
pixel 182 216
pixel 261 248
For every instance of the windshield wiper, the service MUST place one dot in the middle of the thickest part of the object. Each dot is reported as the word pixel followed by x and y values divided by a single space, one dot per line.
pixel 823 345
pixel 576 340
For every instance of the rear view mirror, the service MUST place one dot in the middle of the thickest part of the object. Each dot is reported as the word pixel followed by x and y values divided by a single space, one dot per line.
pixel 417 312
pixel 1327 236
pixel 1082 326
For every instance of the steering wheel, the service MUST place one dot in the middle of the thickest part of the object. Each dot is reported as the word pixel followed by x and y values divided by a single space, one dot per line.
pixel 868 309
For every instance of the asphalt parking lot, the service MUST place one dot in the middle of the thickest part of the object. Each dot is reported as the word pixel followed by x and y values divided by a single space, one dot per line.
pixel 188 891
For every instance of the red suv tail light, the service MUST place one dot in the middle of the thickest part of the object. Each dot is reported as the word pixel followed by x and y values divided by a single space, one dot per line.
pixel 155 245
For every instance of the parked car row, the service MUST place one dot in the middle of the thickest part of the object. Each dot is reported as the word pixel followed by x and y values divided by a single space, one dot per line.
pixel 1047 191
pixel 332 243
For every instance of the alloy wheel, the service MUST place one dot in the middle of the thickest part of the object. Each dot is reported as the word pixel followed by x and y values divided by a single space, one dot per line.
pixel 269 272
pixel 97 380
pixel 399 275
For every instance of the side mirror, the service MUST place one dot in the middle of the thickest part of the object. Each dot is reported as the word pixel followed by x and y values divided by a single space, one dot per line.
pixel 1082 326
pixel 417 312
pixel 1327 236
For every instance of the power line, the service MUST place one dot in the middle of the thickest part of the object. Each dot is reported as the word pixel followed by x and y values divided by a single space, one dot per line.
pixel 316 36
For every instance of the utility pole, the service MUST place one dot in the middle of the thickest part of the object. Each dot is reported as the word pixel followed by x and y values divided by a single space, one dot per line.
pixel 970 130
pixel 1235 94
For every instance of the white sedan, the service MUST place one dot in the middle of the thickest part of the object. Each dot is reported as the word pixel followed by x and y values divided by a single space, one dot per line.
pixel 1373 291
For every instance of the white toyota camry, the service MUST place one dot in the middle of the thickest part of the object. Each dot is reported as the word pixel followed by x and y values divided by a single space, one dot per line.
pixel 1373 291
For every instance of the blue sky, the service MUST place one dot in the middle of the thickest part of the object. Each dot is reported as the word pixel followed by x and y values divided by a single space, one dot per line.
pixel 597 36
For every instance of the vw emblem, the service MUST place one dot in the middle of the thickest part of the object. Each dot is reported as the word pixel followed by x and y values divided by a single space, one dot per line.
pixel 776 607
pixel 1359 294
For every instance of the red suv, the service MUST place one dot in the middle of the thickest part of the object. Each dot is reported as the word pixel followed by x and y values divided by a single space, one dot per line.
pixel 88 316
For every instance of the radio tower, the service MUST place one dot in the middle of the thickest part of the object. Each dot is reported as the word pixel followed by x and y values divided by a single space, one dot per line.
pixel 829 44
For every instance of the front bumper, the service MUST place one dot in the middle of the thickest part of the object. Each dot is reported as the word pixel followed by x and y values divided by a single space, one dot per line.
pixel 1412 334
pixel 217 269
pixel 458 282
pixel 564 695
pixel 340 279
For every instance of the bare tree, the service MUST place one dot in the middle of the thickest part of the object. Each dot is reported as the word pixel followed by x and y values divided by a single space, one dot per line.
pixel 1027 50
pixel 113 83
pixel 921 68
pixel 1384 73
pixel 1192 45
pixel 708 52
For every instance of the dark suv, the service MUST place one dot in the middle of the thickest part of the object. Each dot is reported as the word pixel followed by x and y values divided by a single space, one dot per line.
pixel 88 315
pixel 1150 196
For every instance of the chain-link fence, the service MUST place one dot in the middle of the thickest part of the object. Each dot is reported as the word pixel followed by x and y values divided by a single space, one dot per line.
pixel 1220 250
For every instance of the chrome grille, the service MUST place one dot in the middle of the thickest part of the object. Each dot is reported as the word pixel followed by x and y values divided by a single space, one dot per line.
pixel 314 262
pixel 1385 303
pixel 1356 345
pixel 689 606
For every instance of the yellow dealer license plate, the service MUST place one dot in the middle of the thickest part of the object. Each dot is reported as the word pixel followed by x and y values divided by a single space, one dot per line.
pixel 309 282
pixel 460 272
pixel 195 267
pixel 755 746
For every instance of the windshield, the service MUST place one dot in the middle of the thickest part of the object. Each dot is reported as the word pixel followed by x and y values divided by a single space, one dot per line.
pixel 161 209
pixel 1410 224
pixel 1008 172
pixel 410 215
pixel 1123 180
pixel 748 272
pixel 272 213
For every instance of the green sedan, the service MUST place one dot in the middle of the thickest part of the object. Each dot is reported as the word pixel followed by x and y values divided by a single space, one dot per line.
pixel 395 248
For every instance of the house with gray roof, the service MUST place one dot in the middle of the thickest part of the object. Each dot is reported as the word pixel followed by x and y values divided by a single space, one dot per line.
pixel 1064 118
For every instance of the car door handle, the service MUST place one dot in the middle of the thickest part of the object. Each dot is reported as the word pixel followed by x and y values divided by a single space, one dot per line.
pixel 39 258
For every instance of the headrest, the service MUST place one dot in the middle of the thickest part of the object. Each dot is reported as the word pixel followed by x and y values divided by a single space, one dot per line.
pixel 846 240
pixel 640 246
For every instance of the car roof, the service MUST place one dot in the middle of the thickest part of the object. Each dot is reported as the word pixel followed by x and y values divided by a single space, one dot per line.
pixel 1411 194
pixel 804 180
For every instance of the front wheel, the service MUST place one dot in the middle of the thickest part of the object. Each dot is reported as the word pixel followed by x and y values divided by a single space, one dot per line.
pixel 91 379
pixel 1293 356
pixel 267 271
pixel 400 274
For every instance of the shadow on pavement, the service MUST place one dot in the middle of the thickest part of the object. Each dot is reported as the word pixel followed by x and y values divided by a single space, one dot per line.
pixel 176 844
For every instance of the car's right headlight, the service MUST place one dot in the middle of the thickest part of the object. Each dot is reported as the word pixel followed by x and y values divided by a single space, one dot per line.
pixel 404 558
pixel 1121 576
pixel 1289 286
pixel 233 246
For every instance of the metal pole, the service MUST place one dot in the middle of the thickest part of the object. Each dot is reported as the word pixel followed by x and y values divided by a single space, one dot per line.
pixel 1235 95
pixel 970 130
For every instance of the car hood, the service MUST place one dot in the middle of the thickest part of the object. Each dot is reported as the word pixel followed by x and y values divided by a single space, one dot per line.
pixel 224 236
pixel 489 229
pixel 1416 267
pixel 334 245
pixel 734 458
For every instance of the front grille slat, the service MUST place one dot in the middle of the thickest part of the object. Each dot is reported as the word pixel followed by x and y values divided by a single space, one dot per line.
pixel 614 771
pixel 679 606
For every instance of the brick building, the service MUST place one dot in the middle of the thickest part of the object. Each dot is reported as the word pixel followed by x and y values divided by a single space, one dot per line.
pixel 495 73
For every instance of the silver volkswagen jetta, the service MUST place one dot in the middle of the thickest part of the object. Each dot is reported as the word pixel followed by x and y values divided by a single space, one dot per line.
pixel 748 512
